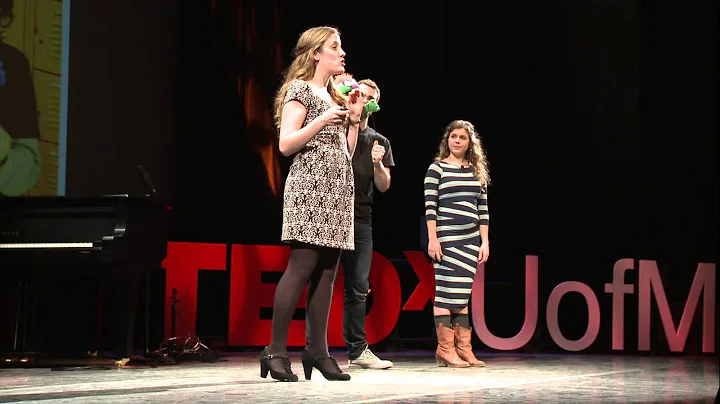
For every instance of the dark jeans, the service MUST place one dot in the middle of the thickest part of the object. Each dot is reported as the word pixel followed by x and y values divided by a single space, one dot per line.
pixel 356 267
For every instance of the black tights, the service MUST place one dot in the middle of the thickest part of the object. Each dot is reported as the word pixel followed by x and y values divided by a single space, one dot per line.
pixel 319 265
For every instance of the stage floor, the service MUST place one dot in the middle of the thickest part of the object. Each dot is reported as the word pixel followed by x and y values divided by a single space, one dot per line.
pixel 508 378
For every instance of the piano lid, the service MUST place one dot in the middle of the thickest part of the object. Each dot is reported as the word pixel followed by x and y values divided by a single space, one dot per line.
pixel 64 219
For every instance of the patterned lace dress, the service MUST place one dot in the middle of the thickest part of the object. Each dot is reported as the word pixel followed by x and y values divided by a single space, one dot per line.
pixel 319 190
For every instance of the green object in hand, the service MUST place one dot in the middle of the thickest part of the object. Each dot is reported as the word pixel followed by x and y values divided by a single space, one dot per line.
pixel 369 107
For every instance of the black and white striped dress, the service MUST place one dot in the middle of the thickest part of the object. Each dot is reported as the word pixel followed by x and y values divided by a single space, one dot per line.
pixel 456 200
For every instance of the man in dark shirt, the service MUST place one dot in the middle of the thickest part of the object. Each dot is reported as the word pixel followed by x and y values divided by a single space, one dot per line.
pixel 371 165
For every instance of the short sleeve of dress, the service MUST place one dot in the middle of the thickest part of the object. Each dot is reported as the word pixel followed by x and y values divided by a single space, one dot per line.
pixel 298 90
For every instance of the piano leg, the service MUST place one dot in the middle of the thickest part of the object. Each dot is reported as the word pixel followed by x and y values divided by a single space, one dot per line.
pixel 28 340
pixel 126 286
pixel 18 313
pixel 99 320
pixel 23 327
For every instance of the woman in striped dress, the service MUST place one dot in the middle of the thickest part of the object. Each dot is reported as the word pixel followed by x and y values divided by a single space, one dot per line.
pixel 456 211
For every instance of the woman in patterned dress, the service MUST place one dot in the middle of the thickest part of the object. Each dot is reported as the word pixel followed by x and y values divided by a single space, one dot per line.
pixel 319 127
pixel 456 211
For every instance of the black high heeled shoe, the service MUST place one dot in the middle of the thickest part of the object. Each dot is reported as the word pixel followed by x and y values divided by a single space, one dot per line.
pixel 328 366
pixel 278 366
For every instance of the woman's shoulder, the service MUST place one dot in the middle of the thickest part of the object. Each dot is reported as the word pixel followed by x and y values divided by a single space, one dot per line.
pixel 299 84
pixel 298 90
pixel 435 166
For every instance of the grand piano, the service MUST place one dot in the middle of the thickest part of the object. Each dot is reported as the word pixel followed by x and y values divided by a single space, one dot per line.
pixel 120 237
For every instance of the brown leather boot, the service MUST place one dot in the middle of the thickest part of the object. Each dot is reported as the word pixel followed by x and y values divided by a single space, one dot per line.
pixel 464 347
pixel 445 354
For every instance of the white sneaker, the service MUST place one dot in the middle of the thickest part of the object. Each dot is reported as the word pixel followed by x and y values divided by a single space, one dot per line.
pixel 368 360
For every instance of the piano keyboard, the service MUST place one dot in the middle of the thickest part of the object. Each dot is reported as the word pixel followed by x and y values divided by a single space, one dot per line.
pixel 45 245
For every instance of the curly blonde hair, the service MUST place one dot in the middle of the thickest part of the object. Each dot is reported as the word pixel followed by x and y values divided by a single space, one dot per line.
pixel 475 154
pixel 303 67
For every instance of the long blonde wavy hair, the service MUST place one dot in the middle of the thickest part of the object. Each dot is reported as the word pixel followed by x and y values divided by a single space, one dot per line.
pixel 303 67
pixel 475 154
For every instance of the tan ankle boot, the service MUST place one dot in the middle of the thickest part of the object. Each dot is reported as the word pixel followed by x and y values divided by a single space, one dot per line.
pixel 446 355
pixel 464 347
